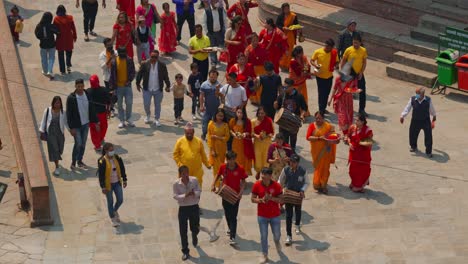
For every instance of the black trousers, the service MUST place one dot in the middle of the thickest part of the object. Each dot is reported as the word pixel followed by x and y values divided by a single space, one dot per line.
pixel 189 214
pixel 195 100
pixel 89 15
pixel 362 95
pixel 289 138
pixel 415 128
pixel 324 87
pixel 178 107
pixel 203 67
pixel 181 18
pixel 290 210
pixel 230 212
pixel 62 56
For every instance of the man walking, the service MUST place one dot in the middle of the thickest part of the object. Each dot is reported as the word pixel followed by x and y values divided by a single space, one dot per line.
pixel 90 9
pixel 154 75
pixel 105 61
pixel 80 112
pixel 423 109
pixel 121 76
pixel 187 193
pixel 185 12
pixel 233 93
pixel 345 39
pixel 197 45
pixel 214 22
pixel 100 97
pixel 271 83
pixel 209 99
pixel 233 176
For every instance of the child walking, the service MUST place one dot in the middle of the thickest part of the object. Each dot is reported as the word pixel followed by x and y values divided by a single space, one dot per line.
pixel 16 23
pixel 195 80
pixel 144 37
pixel 178 89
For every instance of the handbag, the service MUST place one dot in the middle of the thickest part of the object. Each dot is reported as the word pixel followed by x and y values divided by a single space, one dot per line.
pixel 44 134
pixel 224 56
pixel 155 16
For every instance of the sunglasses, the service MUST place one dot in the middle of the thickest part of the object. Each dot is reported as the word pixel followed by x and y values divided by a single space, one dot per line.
pixel 154 57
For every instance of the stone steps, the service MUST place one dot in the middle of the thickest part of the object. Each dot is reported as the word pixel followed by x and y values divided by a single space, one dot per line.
pixel 425 34
pixel 438 24
pixel 410 74
pixel 454 12
pixel 415 61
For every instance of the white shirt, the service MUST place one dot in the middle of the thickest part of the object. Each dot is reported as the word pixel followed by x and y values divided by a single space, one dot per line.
pixel 409 107
pixel 180 189
pixel 103 63
pixel 83 108
pixel 153 81
pixel 235 96
pixel 216 24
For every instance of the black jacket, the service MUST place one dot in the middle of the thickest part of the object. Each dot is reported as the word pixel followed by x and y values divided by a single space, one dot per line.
pixel 294 102
pixel 102 170
pixel 73 114
pixel 144 72
pixel 100 97
pixel 47 36
pixel 345 40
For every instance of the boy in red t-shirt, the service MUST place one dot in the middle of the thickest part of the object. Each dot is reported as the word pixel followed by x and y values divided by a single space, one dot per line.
pixel 266 193
pixel 233 175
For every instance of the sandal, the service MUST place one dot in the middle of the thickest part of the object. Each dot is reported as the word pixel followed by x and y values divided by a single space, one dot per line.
pixel 86 38
pixel 92 33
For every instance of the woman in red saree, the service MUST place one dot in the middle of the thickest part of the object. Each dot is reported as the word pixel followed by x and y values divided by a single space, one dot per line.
pixel 257 56
pixel 273 40
pixel 263 131
pixel 235 41
pixel 343 103
pixel 241 131
pixel 123 33
pixel 245 73
pixel 127 6
pixel 168 36
pixel 241 9
pixel 359 156
pixel 283 22
pixel 299 72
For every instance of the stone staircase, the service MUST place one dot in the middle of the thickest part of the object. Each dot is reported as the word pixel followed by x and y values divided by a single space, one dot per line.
pixel 413 68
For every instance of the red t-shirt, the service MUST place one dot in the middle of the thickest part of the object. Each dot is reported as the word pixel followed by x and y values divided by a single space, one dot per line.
pixel 270 209
pixel 232 178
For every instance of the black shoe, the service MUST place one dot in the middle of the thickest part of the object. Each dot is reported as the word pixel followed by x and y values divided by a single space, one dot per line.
pixel 185 256
pixel 363 113
pixel 429 155
pixel 413 149
pixel 68 70
pixel 81 164
pixel 195 241
pixel 326 112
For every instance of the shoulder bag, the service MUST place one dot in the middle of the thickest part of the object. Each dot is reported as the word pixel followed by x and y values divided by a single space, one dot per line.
pixel 44 134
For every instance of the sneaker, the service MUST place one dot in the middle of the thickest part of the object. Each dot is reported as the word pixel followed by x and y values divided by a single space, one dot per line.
pixel 81 165
pixel 158 124
pixel 176 121
pixel 413 150
pixel 278 246
pixel 121 125
pixel 130 124
pixel 232 241
pixel 195 242
pixel 73 166
pixel 228 233
pixel 92 33
pixel 57 172
pixel 429 155
pixel 147 120
pixel 264 259
pixel 114 222
pixel 181 120
pixel 288 241
pixel 298 230
pixel 117 216
pixel 194 117
pixel 185 256
pixel 68 70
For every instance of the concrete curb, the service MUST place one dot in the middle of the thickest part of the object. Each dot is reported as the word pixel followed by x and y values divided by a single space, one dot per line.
pixel 22 127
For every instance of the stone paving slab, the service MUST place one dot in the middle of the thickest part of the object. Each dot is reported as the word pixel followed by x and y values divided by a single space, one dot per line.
pixel 413 212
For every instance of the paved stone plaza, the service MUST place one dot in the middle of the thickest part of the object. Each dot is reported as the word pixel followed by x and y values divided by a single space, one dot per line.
pixel 414 210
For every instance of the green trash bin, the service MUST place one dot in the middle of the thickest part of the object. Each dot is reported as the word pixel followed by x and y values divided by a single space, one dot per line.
pixel 447 73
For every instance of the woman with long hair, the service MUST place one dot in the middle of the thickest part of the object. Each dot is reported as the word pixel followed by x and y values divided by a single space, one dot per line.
pixel 65 39
pixel 245 73
pixel 235 40
pixel 168 36
pixel 263 131
pixel 359 155
pixel 323 152
pixel 343 103
pixel 150 12
pixel 52 130
pixel 217 138
pixel 286 19
pixel 123 34
pixel 128 7
pixel 112 177
pixel 241 129
pixel 299 71
pixel 241 8
pixel 46 31
pixel 274 41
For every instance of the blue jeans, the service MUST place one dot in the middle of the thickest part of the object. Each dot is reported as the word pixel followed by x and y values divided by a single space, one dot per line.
pixel 111 207
pixel 216 40
pixel 80 142
pixel 47 60
pixel 124 93
pixel 275 224
pixel 157 98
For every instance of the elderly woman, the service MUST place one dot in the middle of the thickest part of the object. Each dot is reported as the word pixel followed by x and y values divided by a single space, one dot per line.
pixel 273 40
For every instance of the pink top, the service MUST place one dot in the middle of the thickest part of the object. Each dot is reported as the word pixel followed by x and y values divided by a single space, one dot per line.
pixel 147 13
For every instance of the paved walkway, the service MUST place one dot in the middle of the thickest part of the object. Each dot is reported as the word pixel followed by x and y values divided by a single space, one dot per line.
pixel 415 210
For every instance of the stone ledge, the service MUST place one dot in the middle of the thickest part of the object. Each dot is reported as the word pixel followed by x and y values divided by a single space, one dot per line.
pixel 20 115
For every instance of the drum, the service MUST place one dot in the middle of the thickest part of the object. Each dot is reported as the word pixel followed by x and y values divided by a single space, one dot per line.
pixel 228 194
pixel 292 197
pixel 228 112
pixel 288 120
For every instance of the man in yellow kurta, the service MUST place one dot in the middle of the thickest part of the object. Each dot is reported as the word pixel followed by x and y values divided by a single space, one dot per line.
pixel 189 151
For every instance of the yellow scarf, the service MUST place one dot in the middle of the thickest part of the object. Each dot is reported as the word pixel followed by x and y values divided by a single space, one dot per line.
pixel 109 169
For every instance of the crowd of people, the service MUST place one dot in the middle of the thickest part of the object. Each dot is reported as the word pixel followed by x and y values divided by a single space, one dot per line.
pixel 236 143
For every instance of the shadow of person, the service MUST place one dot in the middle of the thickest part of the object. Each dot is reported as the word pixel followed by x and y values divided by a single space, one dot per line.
pixel 212 214
pixel 343 191
pixel 457 97
pixel 373 98
pixel 25 13
pixel 375 146
pixel 377 118
pixel 204 258
pixel 66 78
pixel 310 244
pixel 440 156
pixel 246 245
pixel 283 259
pixel 306 218
pixel 4 173
pixel 146 131
pixel 129 228
pixel 24 44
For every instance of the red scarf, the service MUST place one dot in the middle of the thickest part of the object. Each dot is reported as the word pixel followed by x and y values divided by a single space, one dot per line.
pixel 248 145
pixel 266 125
pixel 333 61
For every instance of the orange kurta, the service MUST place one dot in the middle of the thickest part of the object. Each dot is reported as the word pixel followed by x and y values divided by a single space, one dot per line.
pixel 218 147
pixel 238 146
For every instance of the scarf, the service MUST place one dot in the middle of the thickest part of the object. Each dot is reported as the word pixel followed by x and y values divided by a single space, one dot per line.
pixel 333 61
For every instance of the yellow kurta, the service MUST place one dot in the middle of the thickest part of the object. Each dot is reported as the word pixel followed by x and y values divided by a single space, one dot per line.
pixel 323 154
pixel 191 154
pixel 291 39
pixel 238 147
pixel 218 146
pixel 261 148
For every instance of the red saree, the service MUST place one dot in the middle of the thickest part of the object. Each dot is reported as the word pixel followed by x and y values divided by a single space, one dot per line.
pixel 343 104
pixel 275 43
pixel 266 125
pixel 128 6
pixel 360 157
pixel 168 34
pixel 124 38
pixel 243 76
pixel 234 50
pixel 238 10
